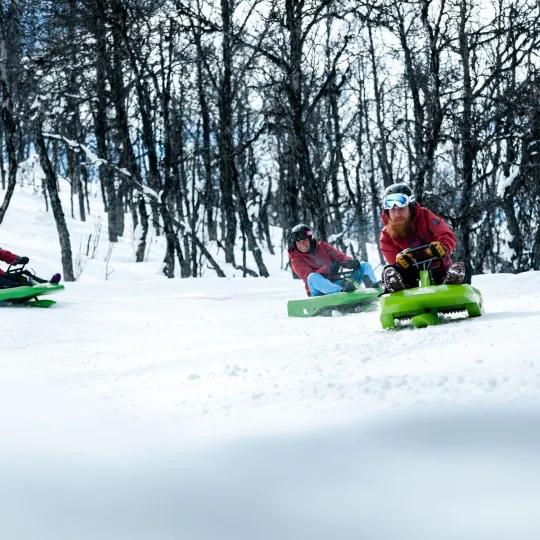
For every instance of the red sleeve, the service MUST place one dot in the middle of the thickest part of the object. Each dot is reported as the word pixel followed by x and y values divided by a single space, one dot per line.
pixel 300 268
pixel 7 256
pixel 441 231
pixel 335 255
pixel 388 248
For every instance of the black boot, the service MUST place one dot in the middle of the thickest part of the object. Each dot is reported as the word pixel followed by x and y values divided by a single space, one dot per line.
pixel 370 284
pixel 348 286
pixel 455 274
pixel 392 280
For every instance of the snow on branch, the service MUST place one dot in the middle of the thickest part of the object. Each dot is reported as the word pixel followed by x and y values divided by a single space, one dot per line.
pixel 92 159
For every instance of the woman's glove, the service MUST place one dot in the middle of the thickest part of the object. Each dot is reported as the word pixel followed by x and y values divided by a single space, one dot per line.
pixel 334 267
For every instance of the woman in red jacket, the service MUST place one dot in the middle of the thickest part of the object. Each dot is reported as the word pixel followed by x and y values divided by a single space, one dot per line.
pixel 19 276
pixel 409 225
pixel 317 262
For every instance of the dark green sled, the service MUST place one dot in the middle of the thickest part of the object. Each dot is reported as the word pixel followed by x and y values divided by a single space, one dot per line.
pixel 29 296
pixel 359 300
pixel 343 302
pixel 423 304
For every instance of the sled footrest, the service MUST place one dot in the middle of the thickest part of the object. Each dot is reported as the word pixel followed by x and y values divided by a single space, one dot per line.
pixel 425 319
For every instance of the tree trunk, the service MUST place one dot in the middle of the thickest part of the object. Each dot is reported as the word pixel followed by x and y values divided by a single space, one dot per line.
pixel 263 218
pixel 300 154
pixel 143 230
pixel 247 227
pixel 468 147
pixel 56 205
pixel 113 206
pixel 10 126
pixel 226 144
pixel 209 192
pixel 384 163
pixel 2 170
pixel 145 105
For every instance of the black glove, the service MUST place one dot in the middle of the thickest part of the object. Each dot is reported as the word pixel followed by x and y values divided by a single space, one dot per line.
pixel 21 260
pixel 334 267
pixel 353 264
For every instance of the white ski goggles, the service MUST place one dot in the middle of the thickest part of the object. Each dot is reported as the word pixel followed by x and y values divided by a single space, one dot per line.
pixel 396 199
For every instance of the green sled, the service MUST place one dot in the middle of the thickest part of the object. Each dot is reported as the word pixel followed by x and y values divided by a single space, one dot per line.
pixel 359 300
pixel 28 296
pixel 423 304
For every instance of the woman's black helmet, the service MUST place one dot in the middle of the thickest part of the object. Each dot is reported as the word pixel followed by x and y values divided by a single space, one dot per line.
pixel 301 232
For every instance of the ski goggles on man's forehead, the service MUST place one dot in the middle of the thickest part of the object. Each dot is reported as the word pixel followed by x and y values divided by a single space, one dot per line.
pixel 396 199
pixel 300 235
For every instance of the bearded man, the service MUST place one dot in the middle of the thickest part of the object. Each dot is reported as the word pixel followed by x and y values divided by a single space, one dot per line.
pixel 409 225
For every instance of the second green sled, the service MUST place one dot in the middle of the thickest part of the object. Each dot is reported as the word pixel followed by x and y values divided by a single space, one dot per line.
pixel 27 295
pixel 362 299
pixel 423 304
pixel 30 296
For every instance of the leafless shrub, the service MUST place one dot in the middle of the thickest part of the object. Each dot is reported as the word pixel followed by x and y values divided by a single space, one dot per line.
pixel 80 260
pixel 108 269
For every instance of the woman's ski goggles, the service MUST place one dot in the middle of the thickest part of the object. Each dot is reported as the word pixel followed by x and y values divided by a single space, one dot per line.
pixel 396 199
pixel 300 235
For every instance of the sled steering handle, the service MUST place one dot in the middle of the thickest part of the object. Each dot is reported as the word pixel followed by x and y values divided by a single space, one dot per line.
pixel 15 267
pixel 343 273
pixel 419 248
pixel 426 262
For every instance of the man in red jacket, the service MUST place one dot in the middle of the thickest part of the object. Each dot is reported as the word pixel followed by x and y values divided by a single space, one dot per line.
pixel 409 225
pixel 20 276
pixel 317 264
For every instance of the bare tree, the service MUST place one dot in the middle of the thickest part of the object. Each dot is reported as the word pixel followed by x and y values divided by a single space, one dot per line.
pixel 56 204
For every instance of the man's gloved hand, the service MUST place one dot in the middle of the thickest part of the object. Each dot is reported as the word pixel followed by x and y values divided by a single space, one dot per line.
pixel 405 260
pixel 353 264
pixel 436 250
pixel 21 260
pixel 334 267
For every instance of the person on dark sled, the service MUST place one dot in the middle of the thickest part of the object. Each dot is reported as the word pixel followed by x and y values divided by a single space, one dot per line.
pixel 409 225
pixel 317 264
pixel 18 276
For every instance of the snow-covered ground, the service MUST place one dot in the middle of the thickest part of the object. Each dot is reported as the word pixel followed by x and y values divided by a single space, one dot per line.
pixel 147 408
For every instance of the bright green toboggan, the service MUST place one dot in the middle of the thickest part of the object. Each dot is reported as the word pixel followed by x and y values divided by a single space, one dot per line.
pixel 359 300
pixel 362 299
pixel 29 296
pixel 423 304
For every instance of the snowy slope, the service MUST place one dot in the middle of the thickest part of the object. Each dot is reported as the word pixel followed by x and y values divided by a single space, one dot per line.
pixel 142 407
pixel 218 357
